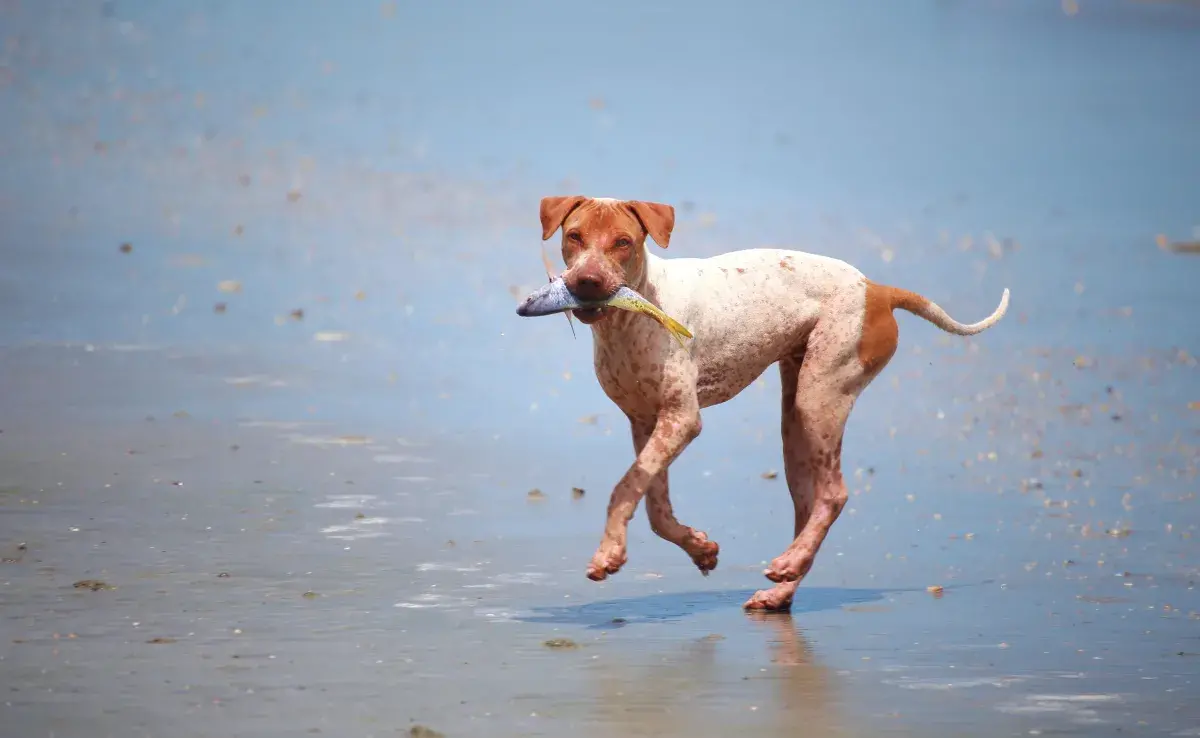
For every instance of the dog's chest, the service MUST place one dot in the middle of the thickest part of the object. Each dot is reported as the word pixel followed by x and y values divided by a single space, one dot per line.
pixel 629 375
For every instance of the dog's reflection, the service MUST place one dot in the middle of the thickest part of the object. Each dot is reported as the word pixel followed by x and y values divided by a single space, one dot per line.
pixel 711 686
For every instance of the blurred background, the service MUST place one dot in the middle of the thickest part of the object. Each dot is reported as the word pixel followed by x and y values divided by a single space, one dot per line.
pixel 259 261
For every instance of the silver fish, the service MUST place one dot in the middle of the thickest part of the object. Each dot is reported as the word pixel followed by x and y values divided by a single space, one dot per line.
pixel 556 298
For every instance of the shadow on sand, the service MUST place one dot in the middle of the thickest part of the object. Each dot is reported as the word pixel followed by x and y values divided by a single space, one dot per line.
pixel 672 606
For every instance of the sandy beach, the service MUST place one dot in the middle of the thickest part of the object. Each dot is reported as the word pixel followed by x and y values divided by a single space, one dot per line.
pixel 277 457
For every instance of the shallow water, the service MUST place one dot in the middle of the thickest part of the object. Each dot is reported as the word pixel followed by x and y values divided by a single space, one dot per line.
pixel 321 523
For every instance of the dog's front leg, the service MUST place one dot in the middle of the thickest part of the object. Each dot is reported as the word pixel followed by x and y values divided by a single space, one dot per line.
pixel 678 423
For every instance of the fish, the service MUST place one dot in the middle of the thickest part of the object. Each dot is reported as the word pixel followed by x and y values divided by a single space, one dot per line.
pixel 554 297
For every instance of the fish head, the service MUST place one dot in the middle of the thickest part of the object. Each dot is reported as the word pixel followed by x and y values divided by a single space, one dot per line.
pixel 604 244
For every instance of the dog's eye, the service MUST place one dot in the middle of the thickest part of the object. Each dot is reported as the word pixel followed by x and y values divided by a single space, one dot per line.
pixel 574 237
pixel 623 243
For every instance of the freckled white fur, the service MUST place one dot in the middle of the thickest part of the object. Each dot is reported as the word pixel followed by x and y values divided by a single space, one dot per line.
pixel 746 311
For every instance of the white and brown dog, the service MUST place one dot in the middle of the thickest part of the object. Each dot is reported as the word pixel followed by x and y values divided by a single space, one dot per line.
pixel 830 329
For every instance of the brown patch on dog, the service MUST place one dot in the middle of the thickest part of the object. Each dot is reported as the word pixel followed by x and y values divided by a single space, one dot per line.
pixel 880 334
pixel 554 210
pixel 657 219
pixel 910 301
pixel 740 270
pixel 787 264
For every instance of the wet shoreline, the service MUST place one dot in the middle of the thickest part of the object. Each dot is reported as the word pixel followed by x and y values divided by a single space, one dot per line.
pixel 268 574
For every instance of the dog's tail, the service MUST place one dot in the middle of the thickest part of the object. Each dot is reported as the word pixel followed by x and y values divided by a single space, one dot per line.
pixel 925 308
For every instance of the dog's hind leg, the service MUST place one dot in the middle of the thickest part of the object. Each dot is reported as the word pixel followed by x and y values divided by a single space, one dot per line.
pixel 795 471
pixel 841 359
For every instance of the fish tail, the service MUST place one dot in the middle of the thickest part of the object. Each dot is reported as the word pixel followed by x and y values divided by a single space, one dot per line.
pixel 674 327
pixel 678 328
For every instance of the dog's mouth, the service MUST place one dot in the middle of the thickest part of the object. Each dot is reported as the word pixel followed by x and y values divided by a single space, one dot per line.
pixel 556 297
pixel 589 315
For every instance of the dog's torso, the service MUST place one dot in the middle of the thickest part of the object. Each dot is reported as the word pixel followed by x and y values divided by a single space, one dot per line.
pixel 747 309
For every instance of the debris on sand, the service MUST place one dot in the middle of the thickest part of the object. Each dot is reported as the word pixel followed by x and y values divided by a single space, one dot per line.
pixel 126 247
pixel 1178 247
pixel 420 731
pixel 770 474
pixel 229 286
pixel 936 590
pixel 577 493
pixel 535 495
pixel 1096 600
pixel 220 308
pixel 331 336
pixel 160 640
pixel 93 584
pixel 1186 247
pixel 561 644
pixel 310 595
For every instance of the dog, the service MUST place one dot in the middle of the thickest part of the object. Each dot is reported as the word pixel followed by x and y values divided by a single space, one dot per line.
pixel 829 328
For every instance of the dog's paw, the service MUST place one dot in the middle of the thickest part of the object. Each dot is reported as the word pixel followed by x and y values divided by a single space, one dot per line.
pixel 789 567
pixel 608 560
pixel 704 553
pixel 776 599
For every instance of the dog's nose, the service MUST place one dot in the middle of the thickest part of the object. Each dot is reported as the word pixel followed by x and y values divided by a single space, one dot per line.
pixel 588 286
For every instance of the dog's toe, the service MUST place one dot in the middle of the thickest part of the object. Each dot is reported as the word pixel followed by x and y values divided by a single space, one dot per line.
pixel 705 556
pixel 789 567
pixel 707 565
pixel 769 600
pixel 605 563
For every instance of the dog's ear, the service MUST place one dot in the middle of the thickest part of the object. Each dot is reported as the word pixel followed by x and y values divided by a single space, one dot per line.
pixel 656 218
pixel 555 210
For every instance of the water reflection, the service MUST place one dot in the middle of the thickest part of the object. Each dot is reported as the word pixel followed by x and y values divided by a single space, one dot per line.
pixel 806 697
pixel 772 683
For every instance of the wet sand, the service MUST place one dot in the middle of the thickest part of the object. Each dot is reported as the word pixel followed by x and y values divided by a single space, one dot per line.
pixel 267 471
pixel 321 576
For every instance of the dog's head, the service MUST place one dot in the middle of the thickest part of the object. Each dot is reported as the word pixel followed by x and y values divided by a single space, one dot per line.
pixel 604 243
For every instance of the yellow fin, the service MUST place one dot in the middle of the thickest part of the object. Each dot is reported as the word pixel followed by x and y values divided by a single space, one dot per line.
pixel 642 305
